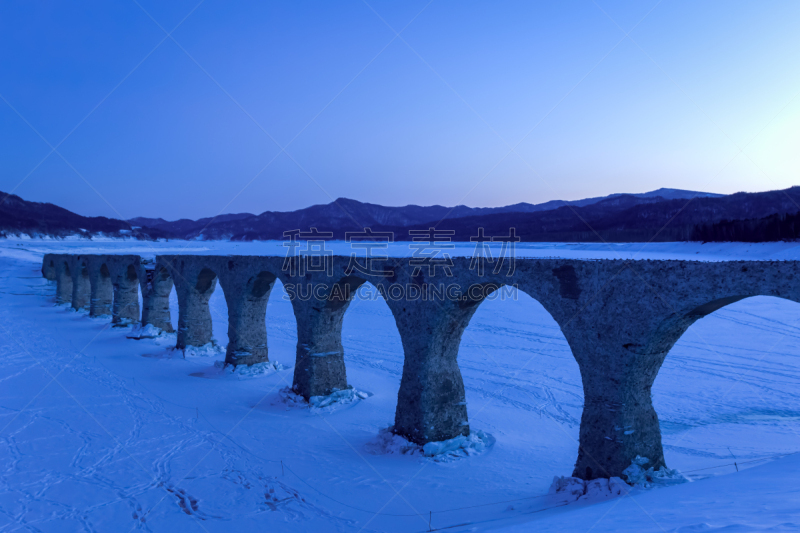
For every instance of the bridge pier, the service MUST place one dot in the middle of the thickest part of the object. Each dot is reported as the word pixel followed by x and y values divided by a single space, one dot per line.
pixel 102 287
pixel 194 317
pixel 615 428
pixel 156 287
pixel 126 292
pixel 618 421
pixel 431 403
pixel 247 312
pixel 319 365
pixel 49 267
pixel 63 279
pixel 81 284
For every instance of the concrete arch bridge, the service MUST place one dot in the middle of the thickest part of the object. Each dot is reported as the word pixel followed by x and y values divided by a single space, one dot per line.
pixel 620 319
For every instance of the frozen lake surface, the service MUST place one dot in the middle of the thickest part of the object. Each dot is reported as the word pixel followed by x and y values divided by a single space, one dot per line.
pixel 99 432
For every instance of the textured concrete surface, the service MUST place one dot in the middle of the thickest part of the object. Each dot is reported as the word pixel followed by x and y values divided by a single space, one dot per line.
pixel 113 285
pixel 194 284
pixel 125 271
pixel 156 284
pixel 620 319
pixel 49 267
pixel 102 287
pixel 63 278
pixel 81 285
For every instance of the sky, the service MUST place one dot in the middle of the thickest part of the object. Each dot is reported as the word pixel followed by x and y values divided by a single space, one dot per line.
pixel 191 109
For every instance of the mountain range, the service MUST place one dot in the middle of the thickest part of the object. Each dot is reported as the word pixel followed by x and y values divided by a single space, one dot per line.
pixel 345 215
pixel 344 210
pixel 662 215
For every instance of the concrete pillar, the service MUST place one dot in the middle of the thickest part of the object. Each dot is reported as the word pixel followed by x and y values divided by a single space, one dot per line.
pixel 319 308
pixel 81 284
pixel 49 267
pixel 319 366
pixel 609 336
pixel 431 403
pixel 618 421
pixel 126 294
pixel 156 287
pixel 194 316
pixel 618 368
pixel 63 279
pixel 102 295
pixel 247 310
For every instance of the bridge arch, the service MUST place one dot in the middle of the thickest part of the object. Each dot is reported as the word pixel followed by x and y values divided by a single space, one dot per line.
pixel 432 403
pixel 744 341
pixel 673 327
pixel 516 352
pixel 371 343
pixel 445 349
pixel 281 325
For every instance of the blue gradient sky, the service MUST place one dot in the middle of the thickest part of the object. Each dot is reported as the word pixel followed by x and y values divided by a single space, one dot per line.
pixel 701 95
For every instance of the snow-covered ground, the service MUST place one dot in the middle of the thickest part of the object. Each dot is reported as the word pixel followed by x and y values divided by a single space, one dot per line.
pixel 99 432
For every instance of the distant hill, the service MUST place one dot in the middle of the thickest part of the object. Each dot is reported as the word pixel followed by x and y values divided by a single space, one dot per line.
pixel 345 215
pixel 664 193
pixel 184 226
pixel 661 215
pixel 18 216
pixel 630 219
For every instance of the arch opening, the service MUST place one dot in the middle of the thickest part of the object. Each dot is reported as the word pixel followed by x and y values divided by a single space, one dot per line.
pixel 262 284
pixel 218 308
pixel 522 382
pixel 726 388
pixel 373 349
pixel 281 325
pixel 343 292
pixel 173 308
pixel 205 280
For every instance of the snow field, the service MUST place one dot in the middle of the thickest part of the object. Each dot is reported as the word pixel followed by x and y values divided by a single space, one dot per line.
pixel 131 436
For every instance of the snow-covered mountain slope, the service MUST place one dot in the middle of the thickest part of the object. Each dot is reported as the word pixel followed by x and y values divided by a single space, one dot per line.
pixel 99 432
